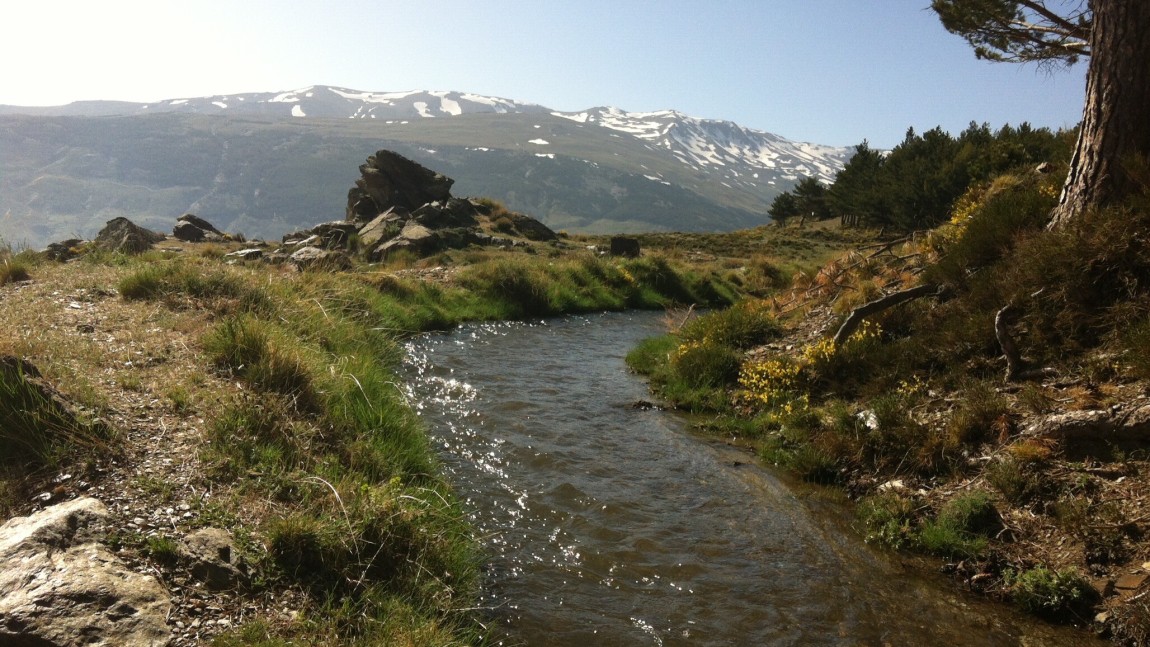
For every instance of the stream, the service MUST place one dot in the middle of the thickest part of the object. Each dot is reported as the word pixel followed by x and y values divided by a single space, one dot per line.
pixel 612 525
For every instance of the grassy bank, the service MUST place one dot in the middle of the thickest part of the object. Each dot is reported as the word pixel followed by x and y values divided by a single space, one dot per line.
pixel 949 448
pixel 273 394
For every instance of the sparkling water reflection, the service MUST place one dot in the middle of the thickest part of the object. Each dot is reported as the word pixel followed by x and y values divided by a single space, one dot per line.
pixel 613 525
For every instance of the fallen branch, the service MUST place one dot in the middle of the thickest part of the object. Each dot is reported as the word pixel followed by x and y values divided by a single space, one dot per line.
pixel 859 314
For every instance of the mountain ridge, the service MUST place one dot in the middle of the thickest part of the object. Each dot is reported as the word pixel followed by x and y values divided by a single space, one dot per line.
pixel 702 174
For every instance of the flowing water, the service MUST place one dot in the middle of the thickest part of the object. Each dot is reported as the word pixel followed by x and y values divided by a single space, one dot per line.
pixel 612 525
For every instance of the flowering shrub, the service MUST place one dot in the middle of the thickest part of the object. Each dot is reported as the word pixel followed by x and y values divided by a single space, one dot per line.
pixel 770 384
pixel 782 384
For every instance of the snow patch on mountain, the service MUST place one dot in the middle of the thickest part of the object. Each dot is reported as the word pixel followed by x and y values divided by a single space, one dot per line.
pixel 737 153
pixel 722 150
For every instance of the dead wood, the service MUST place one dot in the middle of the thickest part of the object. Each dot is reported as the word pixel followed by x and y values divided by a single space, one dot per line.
pixel 859 314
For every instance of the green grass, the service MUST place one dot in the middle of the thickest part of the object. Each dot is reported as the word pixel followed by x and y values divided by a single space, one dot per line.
pixel 36 429
pixel 696 367
pixel 961 528
pixel 13 269
pixel 183 282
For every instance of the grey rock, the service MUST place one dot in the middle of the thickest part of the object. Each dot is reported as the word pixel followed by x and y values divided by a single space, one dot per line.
pixel 249 254
pixel 213 559
pixel 335 235
pixel 123 235
pixel 200 223
pixel 381 228
pixel 389 179
pixel 60 587
pixel 454 212
pixel 317 257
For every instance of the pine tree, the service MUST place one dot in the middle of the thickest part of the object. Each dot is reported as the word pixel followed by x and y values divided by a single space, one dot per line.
pixel 1115 35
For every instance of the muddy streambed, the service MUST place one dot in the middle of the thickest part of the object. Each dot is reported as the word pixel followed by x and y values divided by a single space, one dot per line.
pixel 611 525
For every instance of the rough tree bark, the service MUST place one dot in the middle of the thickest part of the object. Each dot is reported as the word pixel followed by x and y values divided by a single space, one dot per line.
pixel 1115 127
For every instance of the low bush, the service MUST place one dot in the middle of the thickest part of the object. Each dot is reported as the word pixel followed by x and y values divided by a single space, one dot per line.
pixel 741 326
pixel 961 528
pixel 12 269
pixel 1017 481
pixel 888 519
pixel 1048 593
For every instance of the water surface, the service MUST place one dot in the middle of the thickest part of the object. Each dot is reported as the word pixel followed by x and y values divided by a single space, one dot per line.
pixel 612 525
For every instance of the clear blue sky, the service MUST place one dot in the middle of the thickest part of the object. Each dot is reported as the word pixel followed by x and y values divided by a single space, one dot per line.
pixel 825 71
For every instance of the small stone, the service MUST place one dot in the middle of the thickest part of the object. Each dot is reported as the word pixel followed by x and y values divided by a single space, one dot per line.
pixel 896 484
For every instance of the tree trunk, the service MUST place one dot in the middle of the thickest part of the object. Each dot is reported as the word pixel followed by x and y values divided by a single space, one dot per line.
pixel 1115 127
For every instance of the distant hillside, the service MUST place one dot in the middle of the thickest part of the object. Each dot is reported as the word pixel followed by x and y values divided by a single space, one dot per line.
pixel 263 164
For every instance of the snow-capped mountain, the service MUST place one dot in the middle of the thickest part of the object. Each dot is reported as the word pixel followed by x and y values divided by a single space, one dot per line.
pixel 261 163
pixel 720 146
pixel 326 102
pixel 738 155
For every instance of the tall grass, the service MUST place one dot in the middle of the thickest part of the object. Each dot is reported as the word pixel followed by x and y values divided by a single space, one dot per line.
pixel 183 283
pixel 36 427
pixel 368 529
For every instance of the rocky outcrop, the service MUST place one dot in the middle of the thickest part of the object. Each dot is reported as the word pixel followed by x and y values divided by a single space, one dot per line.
pixel 124 236
pixel 60 587
pixel 398 205
pixel 388 180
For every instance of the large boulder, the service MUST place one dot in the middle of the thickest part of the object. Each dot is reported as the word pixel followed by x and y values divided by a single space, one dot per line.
pixel 389 179
pixel 625 246
pixel 124 236
pixel 193 229
pixel 59 587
